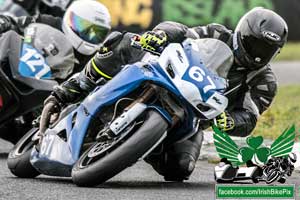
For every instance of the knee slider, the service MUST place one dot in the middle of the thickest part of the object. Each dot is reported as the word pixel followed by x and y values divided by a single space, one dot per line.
pixel 186 164
pixel 180 168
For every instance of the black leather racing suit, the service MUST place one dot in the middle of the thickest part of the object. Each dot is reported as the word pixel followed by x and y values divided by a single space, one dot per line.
pixel 252 91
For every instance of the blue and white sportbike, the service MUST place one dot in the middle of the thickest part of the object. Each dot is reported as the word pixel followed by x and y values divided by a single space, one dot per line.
pixel 162 99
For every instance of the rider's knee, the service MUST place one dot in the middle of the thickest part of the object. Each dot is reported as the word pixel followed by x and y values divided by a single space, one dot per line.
pixel 180 168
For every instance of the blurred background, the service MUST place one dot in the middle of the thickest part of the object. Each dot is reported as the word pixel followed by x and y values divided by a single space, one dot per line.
pixel 140 15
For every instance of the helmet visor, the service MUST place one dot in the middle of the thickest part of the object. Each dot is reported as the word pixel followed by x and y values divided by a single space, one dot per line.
pixel 260 50
pixel 87 30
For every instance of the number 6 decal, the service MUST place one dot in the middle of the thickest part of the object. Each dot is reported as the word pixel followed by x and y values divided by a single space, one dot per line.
pixel 198 74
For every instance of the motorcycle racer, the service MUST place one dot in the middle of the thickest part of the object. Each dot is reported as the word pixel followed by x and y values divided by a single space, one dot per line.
pixel 85 24
pixel 257 39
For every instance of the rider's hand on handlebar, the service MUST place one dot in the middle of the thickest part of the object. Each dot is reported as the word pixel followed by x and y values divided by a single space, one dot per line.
pixel 154 41
pixel 224 121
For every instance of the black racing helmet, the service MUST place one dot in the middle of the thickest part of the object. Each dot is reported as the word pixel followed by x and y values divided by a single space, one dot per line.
pixel 258 37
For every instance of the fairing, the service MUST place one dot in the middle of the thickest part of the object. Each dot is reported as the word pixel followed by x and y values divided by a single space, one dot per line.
pixel 57 156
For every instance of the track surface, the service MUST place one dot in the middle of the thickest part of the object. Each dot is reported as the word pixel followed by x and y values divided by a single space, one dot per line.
pixel 287 72
pixel 137 182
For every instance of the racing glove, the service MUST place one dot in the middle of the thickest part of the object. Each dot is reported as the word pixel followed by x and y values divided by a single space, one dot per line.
pixel 224 122
pixel 154 41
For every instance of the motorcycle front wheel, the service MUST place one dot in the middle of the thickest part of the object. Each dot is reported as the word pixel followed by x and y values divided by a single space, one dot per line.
pixel 18 160
pixel 103 160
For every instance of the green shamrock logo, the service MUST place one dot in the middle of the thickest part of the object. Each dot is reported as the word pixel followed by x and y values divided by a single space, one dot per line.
pixel 254 148
pixel 227 148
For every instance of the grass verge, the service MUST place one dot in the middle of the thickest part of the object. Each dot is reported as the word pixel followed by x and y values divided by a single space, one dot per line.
pixel 284 111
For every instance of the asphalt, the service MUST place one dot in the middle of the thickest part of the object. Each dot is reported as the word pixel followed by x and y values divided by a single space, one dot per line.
pixel 287 72
pixel 137 182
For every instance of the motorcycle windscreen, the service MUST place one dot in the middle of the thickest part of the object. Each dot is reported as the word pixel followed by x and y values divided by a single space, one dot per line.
pixel 217 58
pixel 215 55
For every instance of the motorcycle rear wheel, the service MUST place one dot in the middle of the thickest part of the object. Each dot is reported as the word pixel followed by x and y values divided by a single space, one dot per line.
pixel 18 160
pixel 118 155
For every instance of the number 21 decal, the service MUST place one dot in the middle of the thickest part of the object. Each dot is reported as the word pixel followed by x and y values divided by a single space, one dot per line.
pixel 33 64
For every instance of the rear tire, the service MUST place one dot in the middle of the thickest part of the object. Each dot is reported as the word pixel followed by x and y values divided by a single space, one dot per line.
pixel 126 153
pixel 18 160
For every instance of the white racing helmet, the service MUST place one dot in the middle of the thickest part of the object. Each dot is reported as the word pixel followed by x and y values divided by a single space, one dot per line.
pixel 86 24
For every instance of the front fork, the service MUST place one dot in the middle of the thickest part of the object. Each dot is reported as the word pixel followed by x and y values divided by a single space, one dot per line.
pixel 137 107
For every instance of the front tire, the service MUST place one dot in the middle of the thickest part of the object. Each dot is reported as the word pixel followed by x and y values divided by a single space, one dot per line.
pixel 18 160
pixel 127 153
